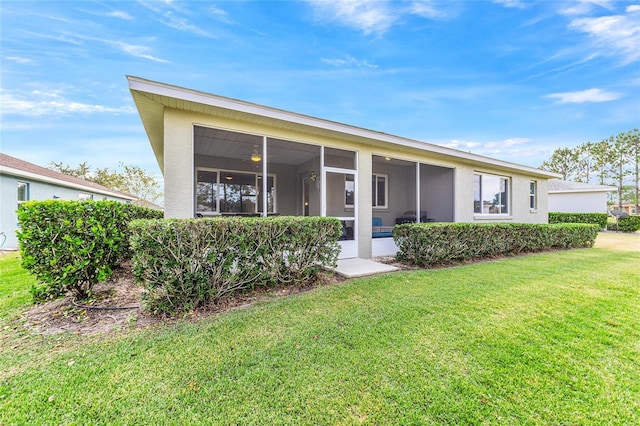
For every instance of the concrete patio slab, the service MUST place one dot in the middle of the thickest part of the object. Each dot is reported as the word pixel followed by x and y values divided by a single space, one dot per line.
pixel 356 267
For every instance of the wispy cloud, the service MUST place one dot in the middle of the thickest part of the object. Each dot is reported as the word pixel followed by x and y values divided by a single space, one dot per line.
pixel 183 24
pixel 139 51
pixel 39 103
pixel 120 15
pixel 20 60
pixel 514 4
pixel 583 7
pixel 508 149
pixel 375 16
pixel 611 35
pixel 348 61
pixel 585 96
pixel 366 15
pixel 428 9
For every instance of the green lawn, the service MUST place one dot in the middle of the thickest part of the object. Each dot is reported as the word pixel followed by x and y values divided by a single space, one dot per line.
pixel 550 338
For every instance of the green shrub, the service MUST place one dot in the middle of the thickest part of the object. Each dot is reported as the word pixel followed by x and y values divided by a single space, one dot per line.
pixel 595 218
pixel 186 263
pixel 425 244
pixel 71 245
pixel 627 224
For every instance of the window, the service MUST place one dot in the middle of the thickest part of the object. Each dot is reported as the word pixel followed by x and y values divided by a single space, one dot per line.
pixel 222 191
pixel 379 188
pixel 490 194
pixel 206 191
pixel 349 190
pixel 23 192
pixel 533 202
pixel 83 196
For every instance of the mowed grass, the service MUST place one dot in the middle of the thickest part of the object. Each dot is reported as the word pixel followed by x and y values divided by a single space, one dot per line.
pixel 550 338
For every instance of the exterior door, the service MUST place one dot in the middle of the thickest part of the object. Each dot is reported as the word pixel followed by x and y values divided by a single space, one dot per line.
pixel 341 202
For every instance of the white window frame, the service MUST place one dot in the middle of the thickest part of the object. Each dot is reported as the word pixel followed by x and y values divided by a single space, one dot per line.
pixel 82 196
pixel 481 175
pixel 533 195
pixel 26 192
pixel 219 173
pixel 374 195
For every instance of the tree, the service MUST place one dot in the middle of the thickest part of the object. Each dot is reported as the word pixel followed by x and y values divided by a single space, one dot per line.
pixel 620 155
pixel 562 161
pixel 600 153
pixel 128 179
pixel 634 145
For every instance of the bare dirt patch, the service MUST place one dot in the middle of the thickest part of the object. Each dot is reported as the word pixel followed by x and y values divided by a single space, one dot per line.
pixel 104 312
pixel 618 241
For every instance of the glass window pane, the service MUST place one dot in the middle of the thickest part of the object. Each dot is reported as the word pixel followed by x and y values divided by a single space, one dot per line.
pixel 382 196
pixel 504 196
pixel 350 190
pixel 374 197
pixel 207 191
pixel 477 201
pixel 23 191
pixel 237 192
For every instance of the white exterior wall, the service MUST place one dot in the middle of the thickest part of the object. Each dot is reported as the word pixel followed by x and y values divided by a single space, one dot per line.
pixel 37 191
pixel 578 202
pixel 518 206
pixel 179 172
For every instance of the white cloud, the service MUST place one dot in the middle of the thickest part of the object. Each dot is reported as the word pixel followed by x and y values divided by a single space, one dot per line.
pixel 583 7
pixel 585 96
pixel 348 61
pixel 20 60
pixel 39 103
pixel 633 8
pixel 220 15
pixel 135 50
pixel 120 15
pixel 367 15
pixel 510 149
pixel 616 34
pixel 514 4
pixel 427 9
pixel 182 24
pixel 375 16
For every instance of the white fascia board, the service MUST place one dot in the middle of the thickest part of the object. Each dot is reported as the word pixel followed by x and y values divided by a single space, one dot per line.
pixel 189 95
pixel 34 176
pixel 571 191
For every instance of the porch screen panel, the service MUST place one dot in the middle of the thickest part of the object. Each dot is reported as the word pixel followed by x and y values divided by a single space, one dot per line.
pixel 296 169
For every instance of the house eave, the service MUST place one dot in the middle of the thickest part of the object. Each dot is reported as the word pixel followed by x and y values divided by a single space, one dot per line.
pixel 45 179
pixel 151 97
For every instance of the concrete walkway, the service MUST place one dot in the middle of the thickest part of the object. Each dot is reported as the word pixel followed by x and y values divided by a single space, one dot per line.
pixel 356 267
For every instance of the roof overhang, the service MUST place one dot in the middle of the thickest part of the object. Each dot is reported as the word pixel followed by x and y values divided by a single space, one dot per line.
pixel 59 182
pixel 152 97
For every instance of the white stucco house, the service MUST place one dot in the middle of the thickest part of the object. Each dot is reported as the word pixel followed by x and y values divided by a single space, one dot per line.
pixel 23 181
pixel 577 197
pixel 222 156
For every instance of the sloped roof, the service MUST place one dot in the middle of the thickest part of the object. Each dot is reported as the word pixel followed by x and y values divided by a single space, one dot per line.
pixel 16 167
pixel 558 186
pixel 151 97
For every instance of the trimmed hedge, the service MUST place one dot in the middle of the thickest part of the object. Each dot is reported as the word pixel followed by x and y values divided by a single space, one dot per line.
pixel 425 244
pixel 596 218
pixel 187 263
pixel 72 245
pixel 627 224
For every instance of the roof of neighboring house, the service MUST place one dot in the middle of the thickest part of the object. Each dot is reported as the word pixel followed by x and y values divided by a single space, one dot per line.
pixel 563 186
pixel 14 166
pixel 151 98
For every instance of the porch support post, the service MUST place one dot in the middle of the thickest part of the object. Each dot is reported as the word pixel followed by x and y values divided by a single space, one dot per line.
pixel 418 192
pixel 178 165
pixel 323 185
pixel 264 176
pixel 364 167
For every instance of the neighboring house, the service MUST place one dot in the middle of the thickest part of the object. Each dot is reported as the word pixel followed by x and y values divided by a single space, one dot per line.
pixel 628 208
pixel 222 156
pixel 577 197
pixel 22 181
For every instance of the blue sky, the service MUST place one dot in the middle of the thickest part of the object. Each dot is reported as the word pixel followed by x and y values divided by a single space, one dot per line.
pixel 509 79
